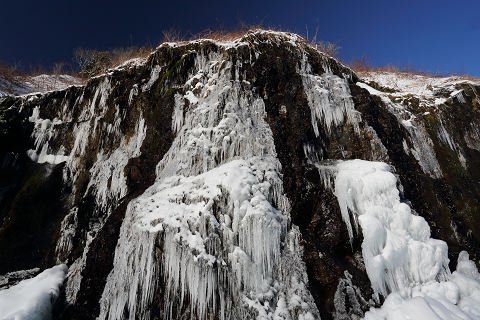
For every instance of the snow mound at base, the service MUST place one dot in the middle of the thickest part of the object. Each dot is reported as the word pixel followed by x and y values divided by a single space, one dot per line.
pixel 33 299
pixel 457 298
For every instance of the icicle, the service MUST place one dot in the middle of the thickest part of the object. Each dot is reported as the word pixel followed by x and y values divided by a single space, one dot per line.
pixel 44 131
pixel 67 233
pixel 329 100
pixel 107 173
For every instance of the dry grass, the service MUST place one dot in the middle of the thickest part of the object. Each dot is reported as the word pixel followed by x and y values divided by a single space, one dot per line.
pixel 173 35
pixel 362 66
pixel 121 55
pixel 10 73
pixel 221 35
pixel 95 62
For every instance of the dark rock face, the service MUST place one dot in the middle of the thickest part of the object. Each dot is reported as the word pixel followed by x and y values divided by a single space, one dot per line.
pixel 118 127
pixel 445 202
pixel 314 209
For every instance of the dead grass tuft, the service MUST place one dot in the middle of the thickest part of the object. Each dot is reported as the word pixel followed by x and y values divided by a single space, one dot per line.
pixel 95 62
pixel 362 66
pixel 10 73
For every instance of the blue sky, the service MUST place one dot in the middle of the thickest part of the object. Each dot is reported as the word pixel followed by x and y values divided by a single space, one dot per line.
pixel 436 36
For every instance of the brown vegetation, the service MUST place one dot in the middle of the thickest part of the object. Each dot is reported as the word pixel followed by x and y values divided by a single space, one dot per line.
pixel 90 62
pixel 94 62
pixel 9 73
pixel 362 66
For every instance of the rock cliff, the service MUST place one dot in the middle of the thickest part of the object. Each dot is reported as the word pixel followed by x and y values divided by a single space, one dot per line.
pixel 217 180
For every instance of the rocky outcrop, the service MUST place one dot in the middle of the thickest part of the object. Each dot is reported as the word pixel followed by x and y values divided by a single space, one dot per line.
pixel 190 184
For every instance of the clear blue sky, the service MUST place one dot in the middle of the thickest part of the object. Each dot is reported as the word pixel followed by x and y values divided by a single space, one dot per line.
pixel 432 35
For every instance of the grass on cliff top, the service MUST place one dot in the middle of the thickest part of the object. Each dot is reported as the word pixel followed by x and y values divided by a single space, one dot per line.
pixel 362 66
pixel 86 63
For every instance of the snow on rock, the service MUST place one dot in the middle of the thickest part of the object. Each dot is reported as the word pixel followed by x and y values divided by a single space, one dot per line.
pixel 408 96
pixel 33 299
pixel 12 278
pixel 404 83
pixel 33 84
pixel 422 147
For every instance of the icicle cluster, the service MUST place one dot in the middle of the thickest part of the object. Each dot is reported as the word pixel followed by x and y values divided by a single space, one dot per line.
pixel 472 136
pixel 422 148
pixel 329 99
pixel 213 225
pixel 107 181
pixel 86 121
pixel 448 141
pixel 107 174
pixel 43 131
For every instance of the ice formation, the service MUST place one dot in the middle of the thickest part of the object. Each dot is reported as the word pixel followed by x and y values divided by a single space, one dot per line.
pixel 472 137
pixel 402 261
pixel 107 180
pixel 33 299
pixel 44 130
pixel 457 298
pixel 450 142
pixel 214 227
pixel 329 99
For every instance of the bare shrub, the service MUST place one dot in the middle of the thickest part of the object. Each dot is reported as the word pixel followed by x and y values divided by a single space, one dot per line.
pixel 220 35
pixel 95 62
pixel 328 48
pixel 92 62
pixel 362 66
pixel 9 73
pixel 172 35
pixel 121 55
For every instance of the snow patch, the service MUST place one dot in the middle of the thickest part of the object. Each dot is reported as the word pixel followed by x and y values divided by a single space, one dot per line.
pixel 33 299
pixel 457 298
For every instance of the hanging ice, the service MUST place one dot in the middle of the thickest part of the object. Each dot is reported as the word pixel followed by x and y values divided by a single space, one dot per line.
pixel 328 97
pixel 214 226
pixel 397 247
pixel 402 262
